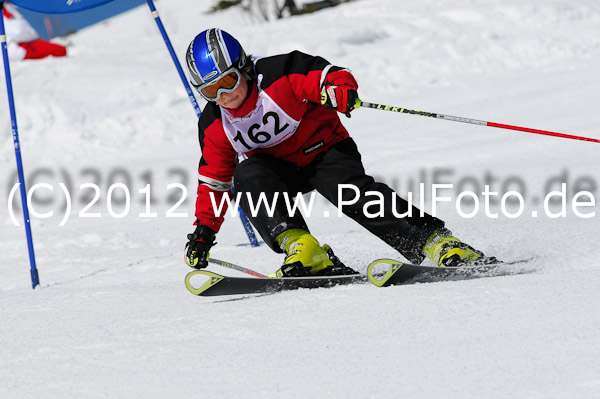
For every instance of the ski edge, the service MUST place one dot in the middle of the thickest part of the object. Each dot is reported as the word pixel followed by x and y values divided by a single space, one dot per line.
pixel 267 284
pixel 400 272
pixel 397 273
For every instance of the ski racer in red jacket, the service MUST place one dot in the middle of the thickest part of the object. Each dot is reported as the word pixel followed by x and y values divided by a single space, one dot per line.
pixel 280 114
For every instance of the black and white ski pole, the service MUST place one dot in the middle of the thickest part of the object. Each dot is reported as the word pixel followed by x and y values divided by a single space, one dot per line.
pixel 401 110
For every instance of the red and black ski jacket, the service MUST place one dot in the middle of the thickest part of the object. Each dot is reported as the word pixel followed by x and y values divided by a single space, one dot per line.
pixel 284 98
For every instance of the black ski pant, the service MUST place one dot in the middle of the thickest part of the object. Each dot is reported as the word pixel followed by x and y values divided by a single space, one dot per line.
pixel 340 164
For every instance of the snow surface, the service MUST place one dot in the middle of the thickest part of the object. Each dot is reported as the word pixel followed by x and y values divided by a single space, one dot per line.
pixel 113 318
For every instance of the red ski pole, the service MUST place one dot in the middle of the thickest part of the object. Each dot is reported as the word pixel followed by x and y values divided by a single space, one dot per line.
pixel 360 103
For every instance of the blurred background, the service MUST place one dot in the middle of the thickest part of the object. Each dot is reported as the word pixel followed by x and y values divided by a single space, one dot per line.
pixel 50 26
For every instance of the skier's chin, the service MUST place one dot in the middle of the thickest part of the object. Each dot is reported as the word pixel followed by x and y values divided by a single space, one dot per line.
pixel 232 103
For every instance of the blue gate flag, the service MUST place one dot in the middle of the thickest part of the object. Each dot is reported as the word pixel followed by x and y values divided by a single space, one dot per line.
pixel 58 6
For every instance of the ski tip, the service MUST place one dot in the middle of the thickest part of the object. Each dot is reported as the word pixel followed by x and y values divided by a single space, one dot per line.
pixel 213 279
pixel 379 278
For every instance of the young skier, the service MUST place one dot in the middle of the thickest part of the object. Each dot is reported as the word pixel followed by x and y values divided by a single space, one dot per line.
pixel 281 114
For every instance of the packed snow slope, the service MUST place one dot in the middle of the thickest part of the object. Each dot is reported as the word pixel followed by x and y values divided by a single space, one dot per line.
pixel 112 317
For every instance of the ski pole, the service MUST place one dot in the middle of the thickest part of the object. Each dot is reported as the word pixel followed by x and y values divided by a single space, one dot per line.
pixel 35 279
pixel 236 267
pixel 360 103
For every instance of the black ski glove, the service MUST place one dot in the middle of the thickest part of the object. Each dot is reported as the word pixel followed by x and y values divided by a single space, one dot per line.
pixel 200 242
pixel 341 98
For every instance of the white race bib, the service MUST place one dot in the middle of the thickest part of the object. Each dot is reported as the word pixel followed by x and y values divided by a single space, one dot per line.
pixel 266 126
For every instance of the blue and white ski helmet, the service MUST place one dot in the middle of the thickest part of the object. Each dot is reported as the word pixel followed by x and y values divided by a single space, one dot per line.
pixel 211 53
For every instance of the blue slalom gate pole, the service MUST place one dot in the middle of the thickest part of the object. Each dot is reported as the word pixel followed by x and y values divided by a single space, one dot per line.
pixel 163 32
pixel 245 222
pixel 35 279
pixel 247 225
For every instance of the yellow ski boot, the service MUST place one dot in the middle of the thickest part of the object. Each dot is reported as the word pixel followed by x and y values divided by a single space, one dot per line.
pixel 304 256
pixel 446 250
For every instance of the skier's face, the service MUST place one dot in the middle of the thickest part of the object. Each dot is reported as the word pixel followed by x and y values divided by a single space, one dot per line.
pixel 234 99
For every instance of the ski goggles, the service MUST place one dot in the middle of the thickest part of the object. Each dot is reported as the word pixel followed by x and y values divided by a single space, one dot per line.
pixel 227 83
